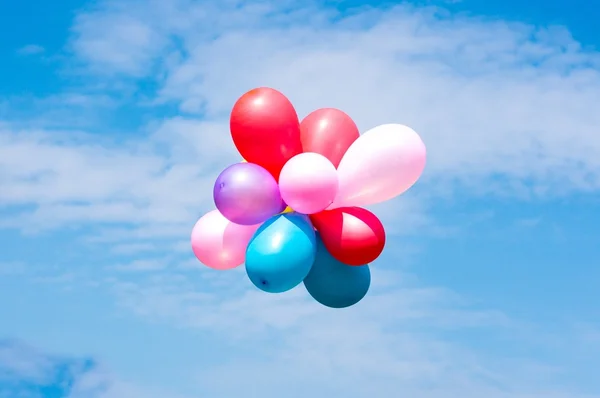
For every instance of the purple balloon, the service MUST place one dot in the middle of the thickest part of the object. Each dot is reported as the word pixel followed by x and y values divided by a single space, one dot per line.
pixel 283 206
pixel 247 194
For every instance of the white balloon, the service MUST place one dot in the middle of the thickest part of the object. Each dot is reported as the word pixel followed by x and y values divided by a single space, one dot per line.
pixel 381 164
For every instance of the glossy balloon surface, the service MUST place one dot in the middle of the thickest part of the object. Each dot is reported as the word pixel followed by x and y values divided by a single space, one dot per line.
pixel 329 132
pixel 218 243
pixel 265 129
pixel 281 253
pixel 335 284
pixel 353 235
pixel 247 194
pixel 308 183
pixel 381 164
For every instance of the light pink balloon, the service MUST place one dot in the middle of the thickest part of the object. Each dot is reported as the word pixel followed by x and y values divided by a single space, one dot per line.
pixel 308 183
pixel 220 244
pixel 381 164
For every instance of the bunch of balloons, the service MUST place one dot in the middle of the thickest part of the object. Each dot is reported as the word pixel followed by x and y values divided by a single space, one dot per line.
pixel 290 211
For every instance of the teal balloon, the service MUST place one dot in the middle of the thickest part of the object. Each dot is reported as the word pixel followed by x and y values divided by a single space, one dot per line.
pixel 281 253
pixel 335 284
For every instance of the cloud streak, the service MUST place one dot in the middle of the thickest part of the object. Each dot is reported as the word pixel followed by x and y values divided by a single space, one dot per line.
pixel 31 49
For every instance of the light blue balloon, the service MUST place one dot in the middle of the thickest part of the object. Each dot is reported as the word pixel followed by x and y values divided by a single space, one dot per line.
pixel 335 284
pixel 281 253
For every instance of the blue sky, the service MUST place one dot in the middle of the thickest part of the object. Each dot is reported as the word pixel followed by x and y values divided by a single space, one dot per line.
pixel 113 126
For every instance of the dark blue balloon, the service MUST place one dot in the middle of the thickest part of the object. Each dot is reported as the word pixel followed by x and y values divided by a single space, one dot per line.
pixel 335 284
pixel 281 253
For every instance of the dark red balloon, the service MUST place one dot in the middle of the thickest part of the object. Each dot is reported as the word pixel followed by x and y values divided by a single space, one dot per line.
pixel 329 132
pixel 352 235
pixel 265 129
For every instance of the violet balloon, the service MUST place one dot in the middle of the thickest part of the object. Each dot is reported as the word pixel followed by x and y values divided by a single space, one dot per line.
pixel 247 194
pixel 283 205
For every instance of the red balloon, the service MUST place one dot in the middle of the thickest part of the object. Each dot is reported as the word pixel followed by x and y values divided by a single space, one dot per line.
pixel 328 131
pixel 352 235
pixel 265 129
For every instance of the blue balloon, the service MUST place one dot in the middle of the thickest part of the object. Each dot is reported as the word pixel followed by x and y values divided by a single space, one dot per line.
pixel 281 253
pixel 335 284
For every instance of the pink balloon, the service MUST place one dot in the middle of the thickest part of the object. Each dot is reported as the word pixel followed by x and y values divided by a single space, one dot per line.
pixel 220 244
pixel 381 164
pixel 308 183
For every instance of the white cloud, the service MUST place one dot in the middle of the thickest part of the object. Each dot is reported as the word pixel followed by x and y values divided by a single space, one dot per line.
pixel 490 98
pixel 19 359
pixel 397 341
pixel 502 107
pixel 137 43
pixel 74 178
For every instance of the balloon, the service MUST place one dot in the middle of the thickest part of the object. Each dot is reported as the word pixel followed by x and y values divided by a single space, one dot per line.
pixel 247 194
pixel 308 183
pixel 265 129
pixel 334 284
pixel 381 164
pixel 352 235
pixel 288 209
pixel 281 253
pixel 282 207
pixel 220 244
pixel 329 132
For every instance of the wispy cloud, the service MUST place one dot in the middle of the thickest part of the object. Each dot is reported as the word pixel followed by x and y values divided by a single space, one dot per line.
pixel 31 49
pixel 491 120
pixel 398 339
pixel 11 268
pixel 490 98
pixel 30 373
pixel 142 265
pixel 26 372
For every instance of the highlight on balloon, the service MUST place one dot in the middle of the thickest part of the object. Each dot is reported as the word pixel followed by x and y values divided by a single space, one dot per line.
pixel 292 209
